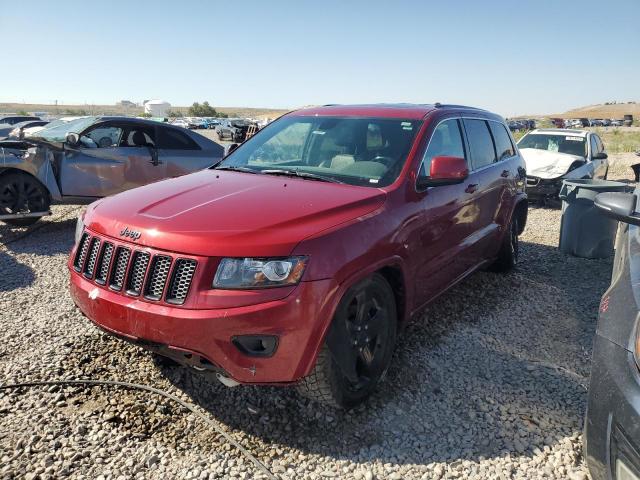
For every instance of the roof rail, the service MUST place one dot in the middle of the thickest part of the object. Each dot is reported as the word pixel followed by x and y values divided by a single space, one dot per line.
pixel 453 105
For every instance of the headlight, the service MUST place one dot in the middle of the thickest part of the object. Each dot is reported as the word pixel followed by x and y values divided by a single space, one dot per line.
pixel 238 273
pixel 79 226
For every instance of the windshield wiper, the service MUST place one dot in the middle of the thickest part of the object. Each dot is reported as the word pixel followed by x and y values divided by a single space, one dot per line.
pixel 234 168
pixel 298 173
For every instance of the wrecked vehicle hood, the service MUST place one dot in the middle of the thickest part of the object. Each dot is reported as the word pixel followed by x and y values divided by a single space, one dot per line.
pixel 546 164
pixel 224 213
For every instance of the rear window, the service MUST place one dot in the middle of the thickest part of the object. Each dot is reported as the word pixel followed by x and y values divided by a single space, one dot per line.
pixel 504 147
pixel 171 139
pixel 480 143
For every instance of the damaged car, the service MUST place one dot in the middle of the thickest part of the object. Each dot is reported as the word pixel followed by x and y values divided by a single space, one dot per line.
pixel 296 260
pixel 88 158
pixel 553 155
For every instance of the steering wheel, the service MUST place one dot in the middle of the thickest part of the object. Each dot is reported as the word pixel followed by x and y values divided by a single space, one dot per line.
pixel 105 142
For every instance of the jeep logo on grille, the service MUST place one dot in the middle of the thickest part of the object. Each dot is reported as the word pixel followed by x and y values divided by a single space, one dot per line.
pixel 132 234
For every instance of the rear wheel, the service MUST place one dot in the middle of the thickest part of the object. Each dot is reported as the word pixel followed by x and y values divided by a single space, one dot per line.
pixel 358 347
pixel 21 193
pixel 509 250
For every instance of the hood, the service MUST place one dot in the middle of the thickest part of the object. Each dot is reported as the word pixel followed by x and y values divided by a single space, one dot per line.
pixel 224 213
pixel 546 164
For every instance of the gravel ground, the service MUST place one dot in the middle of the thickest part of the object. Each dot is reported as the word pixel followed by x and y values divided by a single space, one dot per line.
pixel 490 382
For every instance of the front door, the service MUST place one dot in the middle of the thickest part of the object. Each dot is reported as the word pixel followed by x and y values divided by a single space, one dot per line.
pixel 447 217
pixel 110 158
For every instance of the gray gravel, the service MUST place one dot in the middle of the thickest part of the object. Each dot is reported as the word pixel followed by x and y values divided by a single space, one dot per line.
pixel 489 383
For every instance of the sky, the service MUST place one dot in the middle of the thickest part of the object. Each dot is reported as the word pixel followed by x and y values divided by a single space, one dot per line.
pixel 511 57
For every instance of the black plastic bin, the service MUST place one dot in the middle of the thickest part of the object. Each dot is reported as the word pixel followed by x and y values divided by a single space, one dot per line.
pixel 584 231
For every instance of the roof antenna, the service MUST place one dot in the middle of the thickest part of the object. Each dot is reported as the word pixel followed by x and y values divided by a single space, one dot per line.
pixel 437 104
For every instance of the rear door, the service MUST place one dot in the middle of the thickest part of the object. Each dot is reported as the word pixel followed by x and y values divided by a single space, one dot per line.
pixel 181 153
pixel 112 157
pixel 487 187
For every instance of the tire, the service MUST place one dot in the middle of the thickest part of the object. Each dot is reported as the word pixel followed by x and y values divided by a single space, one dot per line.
pixel 361 340
pixel 22 193
pixel 509 250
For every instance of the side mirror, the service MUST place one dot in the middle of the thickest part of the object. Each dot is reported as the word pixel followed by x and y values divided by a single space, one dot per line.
pixel 600 156
pixel 445 170
pixel 72 139
pixel 620 206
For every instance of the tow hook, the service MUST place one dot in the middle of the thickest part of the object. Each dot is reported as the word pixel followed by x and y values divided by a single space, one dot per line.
pixel 226 381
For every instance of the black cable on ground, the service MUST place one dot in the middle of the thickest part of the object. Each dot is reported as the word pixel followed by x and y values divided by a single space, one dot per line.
pixel 38 226
pixel 136 386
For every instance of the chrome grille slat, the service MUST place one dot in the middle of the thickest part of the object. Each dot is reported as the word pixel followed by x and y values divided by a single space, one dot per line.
pixel 81 252
pixel 104 263
pixel 181 280
pixel 94 249
pixel 137 271
pixel 119 268
pixel 160 267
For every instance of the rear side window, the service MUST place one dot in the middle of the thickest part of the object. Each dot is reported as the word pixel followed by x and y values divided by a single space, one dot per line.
pixel 446 140
pixel 504 147
pixel 171 139
pixel 480 143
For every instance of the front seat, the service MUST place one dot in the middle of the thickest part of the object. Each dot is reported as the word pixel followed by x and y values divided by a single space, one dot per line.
pixel 341 161
pixel 139 140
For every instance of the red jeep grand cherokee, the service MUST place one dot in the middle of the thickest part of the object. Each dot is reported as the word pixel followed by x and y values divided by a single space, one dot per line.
pixel 299 256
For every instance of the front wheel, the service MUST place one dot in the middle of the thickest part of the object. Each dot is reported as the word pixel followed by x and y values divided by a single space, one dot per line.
pixel 509 250
pixel 358 347
pixel 21 193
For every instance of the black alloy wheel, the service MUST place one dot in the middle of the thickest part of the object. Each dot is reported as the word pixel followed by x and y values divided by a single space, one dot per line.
pixel 21 193
pixel 358 346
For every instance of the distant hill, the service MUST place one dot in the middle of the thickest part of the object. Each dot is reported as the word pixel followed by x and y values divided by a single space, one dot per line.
pixel 258 113
pixel 617 110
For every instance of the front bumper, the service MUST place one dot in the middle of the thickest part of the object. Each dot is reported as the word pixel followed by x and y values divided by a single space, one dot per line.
pixel 204 338
pixel 612 427
pixel 542 188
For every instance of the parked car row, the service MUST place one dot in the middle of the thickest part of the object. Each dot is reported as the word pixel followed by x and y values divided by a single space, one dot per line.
pixel 523 124
pixel 586 122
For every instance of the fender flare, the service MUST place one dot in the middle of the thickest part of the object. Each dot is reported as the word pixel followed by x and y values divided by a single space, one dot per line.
pixel 338 292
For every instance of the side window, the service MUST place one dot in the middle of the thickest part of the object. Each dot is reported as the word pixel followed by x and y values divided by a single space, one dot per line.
pixel 504 147
pixel 139 136
pixel 286 145
pixel 171 139
pixel 445 140
pixel 600 144
pixel 594 145
pixel 102 136
pixel 480 143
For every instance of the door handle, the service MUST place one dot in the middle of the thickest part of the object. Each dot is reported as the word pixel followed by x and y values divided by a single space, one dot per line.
pixel 505 173
pixel 471 188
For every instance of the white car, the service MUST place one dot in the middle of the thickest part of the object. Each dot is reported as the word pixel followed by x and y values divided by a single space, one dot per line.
pixel 31 131
pixel 554 154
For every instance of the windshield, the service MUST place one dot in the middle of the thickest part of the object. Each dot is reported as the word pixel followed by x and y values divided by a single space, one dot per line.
pixel 573 145
pixel 58 132
pixel 358 151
